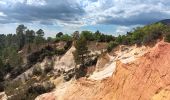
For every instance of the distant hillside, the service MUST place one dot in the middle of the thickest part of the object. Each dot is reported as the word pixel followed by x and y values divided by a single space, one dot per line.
pixel 166 21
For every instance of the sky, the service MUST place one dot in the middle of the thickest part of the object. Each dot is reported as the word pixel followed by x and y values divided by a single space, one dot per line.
pixel 109 16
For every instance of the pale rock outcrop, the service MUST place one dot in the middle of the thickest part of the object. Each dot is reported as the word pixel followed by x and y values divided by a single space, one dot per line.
pixel 106 64
pixel 66 62
pixel 3 96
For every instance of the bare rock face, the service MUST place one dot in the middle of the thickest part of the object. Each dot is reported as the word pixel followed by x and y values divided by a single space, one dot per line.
pixel 66 62
pixel 102 61
pixel 47 96
pixel 145 79
pixel 148 78
pixel 3 96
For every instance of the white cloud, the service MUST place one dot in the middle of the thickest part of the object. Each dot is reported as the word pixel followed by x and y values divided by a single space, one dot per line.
pixel 107 11
pixel 103 11
pixel 2 14
pixel 36 2
pixel 122 29
pixel 2 2
pixel 73 14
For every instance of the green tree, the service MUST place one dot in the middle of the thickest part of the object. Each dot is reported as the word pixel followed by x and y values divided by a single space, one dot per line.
pixel 80 56
pixel 30 35
pixel 20 31
pixel 11 55
pixel 119 39
pixel 97 35
pixel 167 38
pixel 1 70
pixel 111 45
pixel 81 51
pixel 40 33
pixel 76 35
pixel 49 39
pixel 40 37
pixel 87 35
pixel 58 35
pixel 66 37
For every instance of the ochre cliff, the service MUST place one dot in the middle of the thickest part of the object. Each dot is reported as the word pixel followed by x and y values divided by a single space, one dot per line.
pixel 147 78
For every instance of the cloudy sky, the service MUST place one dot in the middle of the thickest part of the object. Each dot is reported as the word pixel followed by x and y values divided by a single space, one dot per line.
pixel 108 16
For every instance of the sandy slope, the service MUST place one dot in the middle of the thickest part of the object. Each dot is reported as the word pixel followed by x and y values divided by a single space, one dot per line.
pixel 66 62
pixel 145 79
pixel 58 93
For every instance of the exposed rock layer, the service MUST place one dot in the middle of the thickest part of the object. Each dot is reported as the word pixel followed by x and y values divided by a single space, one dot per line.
pixel 144 79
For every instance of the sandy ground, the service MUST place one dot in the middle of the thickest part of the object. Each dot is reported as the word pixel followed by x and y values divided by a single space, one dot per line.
pixel 59 92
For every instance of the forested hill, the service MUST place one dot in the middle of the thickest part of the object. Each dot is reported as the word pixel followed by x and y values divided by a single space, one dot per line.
pixel 166 21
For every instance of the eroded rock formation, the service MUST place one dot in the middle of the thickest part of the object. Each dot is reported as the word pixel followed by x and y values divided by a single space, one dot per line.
pixel 144 79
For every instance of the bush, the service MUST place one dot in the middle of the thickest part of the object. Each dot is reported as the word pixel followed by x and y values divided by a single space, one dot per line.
pixel 68 45
pixel 40 88
pixel 1 87
pixel 69 74
pixel 48 68
pixel 37 71
pixel 111 45
pixel 59 51
pixel 81 72
pixel 152 37
pixel 63 37
pixel 40 55
pixel 167 37
pixel 87 35
pixel 16 71
pixel 91 61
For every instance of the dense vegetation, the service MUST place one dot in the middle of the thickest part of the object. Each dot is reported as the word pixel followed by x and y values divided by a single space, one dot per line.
pixel 142 35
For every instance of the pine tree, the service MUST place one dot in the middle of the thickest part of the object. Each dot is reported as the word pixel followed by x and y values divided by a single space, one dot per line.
pixel 80 56
pixel 81 51
pixel 40 37
pixel 20 31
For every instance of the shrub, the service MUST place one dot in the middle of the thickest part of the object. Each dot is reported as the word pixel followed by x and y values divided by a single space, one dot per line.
pixel 40 88
pixel 69 74
pixel 37 71
pixel 16 71
pixel 81 72
pixel 48 68
pixel 111 45
pixel 91 61
pixel 63 37
pixel 167 37
pixel 87 35
pixel 40 55
pixel 59 51
pixel 68 45
pixel 1 87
